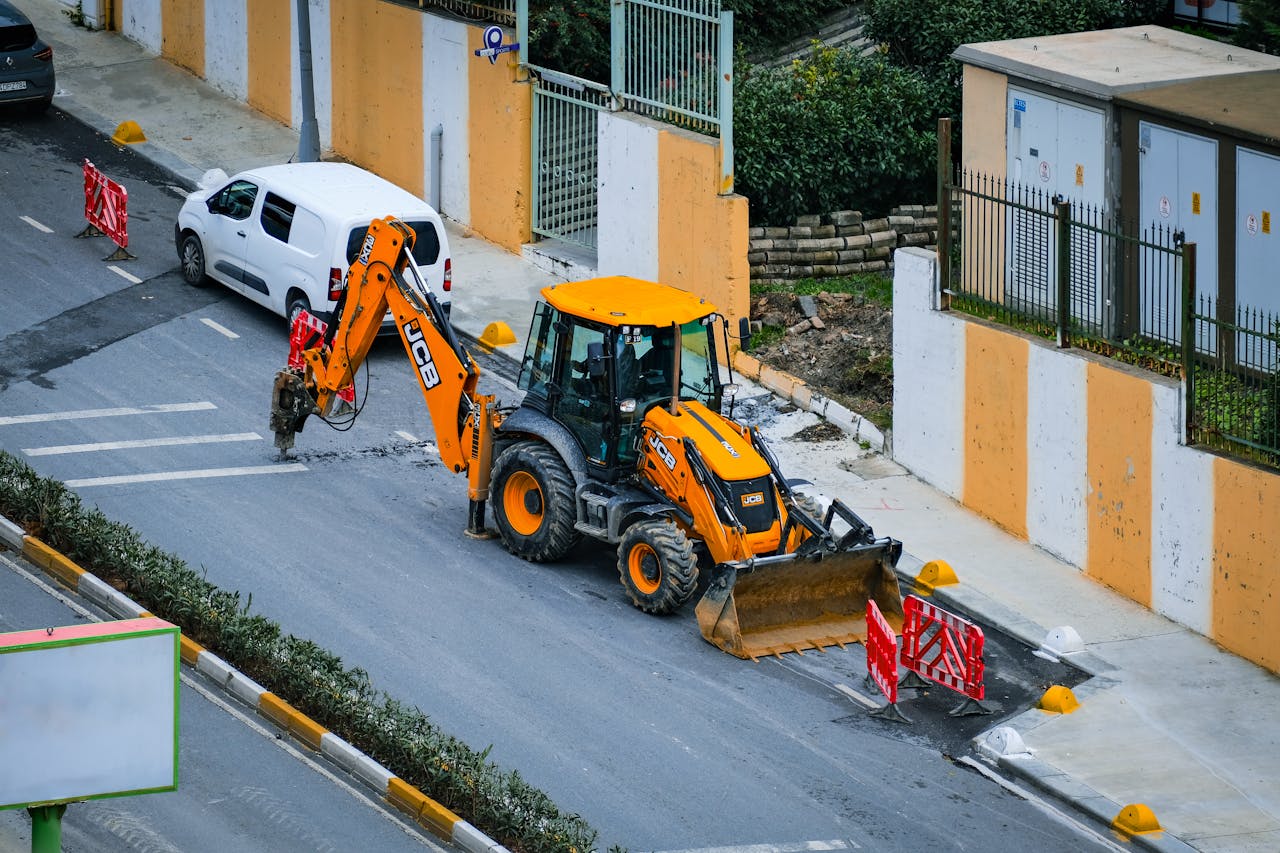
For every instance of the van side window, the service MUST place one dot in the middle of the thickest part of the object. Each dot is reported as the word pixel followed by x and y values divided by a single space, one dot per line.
pixel 277 216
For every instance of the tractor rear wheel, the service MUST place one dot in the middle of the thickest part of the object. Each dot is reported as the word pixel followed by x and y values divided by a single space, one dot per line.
pixel 658 568
pixel 533 502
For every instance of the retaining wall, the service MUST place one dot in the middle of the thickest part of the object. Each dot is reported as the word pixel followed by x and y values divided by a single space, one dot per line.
pixel 839 244
pixel 1086 458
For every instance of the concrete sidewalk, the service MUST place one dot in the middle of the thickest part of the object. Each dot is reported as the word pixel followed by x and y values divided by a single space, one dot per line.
pixel 1168 720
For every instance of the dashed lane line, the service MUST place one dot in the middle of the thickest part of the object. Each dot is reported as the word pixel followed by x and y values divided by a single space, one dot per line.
pixel 219 328
pixel 127 276
pixel 172 441
pixel 196 474
pixel 39 226
pixel 162 408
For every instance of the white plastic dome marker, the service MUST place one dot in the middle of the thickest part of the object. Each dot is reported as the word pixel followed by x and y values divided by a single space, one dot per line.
pixel 1003 742
pixel 1060 642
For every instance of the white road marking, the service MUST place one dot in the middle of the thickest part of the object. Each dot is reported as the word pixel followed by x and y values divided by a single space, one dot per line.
pixel 195 474
pixel 127 276
pixel 857 697
pixel 406 436
pixel 268 735
pixel 219 328
pixel 39 226
pixel 162 408
pixel 173 441
pixel 793 847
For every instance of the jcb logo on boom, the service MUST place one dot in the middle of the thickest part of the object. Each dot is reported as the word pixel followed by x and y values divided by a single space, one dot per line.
pixel 366 249
pixel 421 355
pixel 663 453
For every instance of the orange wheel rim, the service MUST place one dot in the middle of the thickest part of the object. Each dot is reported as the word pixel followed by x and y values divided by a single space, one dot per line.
pixel 520 493
pixel 644 569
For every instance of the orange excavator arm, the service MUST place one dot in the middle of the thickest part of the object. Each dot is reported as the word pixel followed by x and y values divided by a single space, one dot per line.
pixel 383 278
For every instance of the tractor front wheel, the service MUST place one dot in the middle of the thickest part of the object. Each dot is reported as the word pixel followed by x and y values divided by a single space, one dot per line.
pixel 533 502
pixel 658 568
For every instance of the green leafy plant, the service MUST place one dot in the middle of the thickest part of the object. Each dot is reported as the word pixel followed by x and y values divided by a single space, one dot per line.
pixel 342 699
pixel 1259 26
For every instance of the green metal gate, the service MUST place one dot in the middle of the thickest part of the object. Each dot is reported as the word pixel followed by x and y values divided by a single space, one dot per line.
pixel 566 113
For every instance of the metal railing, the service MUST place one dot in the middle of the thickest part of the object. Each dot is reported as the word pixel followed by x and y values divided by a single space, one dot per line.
pixel 497 11
pixel 1017 256
pixel 673 60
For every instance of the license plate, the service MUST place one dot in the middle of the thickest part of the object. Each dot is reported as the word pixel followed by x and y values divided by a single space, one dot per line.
pixel 16 86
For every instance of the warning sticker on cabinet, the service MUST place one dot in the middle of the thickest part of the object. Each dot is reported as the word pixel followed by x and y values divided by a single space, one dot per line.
pixel 1195 203
pixel 1266 222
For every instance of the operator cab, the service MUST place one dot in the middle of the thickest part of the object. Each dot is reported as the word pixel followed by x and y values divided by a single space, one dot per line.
pixel 599 372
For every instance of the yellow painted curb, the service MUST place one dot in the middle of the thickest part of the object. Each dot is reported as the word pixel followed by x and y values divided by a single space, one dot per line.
pixel 747 365
pixel 291 719
pixel 425 810
pixel 936 573
pixel 1136 819
pixel 1058 700
pixel 190 651
pixel 52 561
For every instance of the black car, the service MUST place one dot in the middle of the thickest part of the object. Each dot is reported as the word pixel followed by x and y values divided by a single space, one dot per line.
pixel 26 62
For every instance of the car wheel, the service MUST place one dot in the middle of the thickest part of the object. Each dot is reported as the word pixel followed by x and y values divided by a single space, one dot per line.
pixel 192 257
pixel 297 305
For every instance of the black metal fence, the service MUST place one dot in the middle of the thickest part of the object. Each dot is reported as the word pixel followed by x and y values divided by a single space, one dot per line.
pixel 1016 255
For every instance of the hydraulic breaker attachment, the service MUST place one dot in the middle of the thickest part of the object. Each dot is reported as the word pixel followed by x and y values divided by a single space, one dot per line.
pixel 788 603
pixel 290 406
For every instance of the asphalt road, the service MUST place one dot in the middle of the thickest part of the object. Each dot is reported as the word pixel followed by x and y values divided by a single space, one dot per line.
pixel 657 738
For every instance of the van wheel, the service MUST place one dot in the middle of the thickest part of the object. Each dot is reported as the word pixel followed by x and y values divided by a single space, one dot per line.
pixel 297 305
pixel 192 257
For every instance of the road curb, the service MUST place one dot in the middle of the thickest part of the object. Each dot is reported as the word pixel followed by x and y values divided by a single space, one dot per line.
pixel 393 790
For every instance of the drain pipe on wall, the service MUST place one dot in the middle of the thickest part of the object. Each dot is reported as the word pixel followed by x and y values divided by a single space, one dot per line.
pixel 437 160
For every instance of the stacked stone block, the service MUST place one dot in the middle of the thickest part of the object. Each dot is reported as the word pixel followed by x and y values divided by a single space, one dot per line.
pixel 838 244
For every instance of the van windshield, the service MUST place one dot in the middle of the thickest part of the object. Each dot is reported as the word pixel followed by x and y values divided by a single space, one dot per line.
pixel 426 250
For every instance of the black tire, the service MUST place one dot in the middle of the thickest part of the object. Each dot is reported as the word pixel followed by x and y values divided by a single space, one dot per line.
pixel 533 502
pixel 657 566
pixel 191 257
pixel 297 304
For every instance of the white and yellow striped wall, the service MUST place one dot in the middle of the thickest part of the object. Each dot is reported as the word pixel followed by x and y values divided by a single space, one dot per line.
pixel 387 75
pixel 1085 457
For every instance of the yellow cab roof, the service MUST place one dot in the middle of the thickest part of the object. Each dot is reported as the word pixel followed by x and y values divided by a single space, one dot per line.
pixel 620 300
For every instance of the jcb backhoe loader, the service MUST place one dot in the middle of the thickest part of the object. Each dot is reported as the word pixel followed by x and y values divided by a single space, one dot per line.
pixel 620 437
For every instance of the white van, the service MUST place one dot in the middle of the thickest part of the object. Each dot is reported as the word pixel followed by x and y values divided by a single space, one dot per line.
pixel 284 236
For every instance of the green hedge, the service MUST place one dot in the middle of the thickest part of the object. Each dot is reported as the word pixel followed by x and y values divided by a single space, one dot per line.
pixel 400 737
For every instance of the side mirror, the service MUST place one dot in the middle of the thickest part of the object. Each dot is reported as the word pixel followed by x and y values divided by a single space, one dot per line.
pixel 595 359
pixel 744 332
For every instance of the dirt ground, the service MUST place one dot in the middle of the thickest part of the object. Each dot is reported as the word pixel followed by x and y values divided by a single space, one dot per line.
pixel 848 359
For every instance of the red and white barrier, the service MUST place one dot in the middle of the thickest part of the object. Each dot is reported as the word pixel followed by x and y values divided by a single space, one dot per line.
pixel 106 208
pixel 307 333
pixel 945 649
pixel 882 661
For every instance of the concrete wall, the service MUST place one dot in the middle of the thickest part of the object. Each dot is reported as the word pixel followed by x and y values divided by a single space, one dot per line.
pixel 1084 457
pixel 386 75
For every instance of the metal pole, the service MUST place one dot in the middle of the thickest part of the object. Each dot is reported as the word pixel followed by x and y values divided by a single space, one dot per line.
pixel 46 828
pixel 522 31
pixel 944 214
pixel 437 162
pixel 725 58
pixel 617 48
pixel 1062 225
pixel 309 136
pixel 1189 332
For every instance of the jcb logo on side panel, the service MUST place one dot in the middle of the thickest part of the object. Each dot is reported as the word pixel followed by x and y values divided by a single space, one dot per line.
pixel 753 499
pixel 421 355
pixel 663 452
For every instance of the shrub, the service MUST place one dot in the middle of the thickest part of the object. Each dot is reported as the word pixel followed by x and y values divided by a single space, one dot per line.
pixel 834 131
pixel 1259 26
pixel 342 699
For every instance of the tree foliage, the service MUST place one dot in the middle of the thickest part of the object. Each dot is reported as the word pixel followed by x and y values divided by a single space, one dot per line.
pixel 1259 26
pixel 833 131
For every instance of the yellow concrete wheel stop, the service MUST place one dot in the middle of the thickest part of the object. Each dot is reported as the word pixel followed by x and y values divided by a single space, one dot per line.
pixel 1058 700
pixel 1136 819
pixel 127 133
pixel 497 334
pixel 936 573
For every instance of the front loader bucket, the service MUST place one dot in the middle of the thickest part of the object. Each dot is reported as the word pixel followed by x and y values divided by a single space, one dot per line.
pixel 807 602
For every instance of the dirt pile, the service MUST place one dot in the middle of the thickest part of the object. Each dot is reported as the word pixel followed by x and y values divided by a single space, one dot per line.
pixel 840 344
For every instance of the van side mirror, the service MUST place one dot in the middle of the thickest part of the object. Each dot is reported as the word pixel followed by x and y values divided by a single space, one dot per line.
pixel 595 359
pixel 744 332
